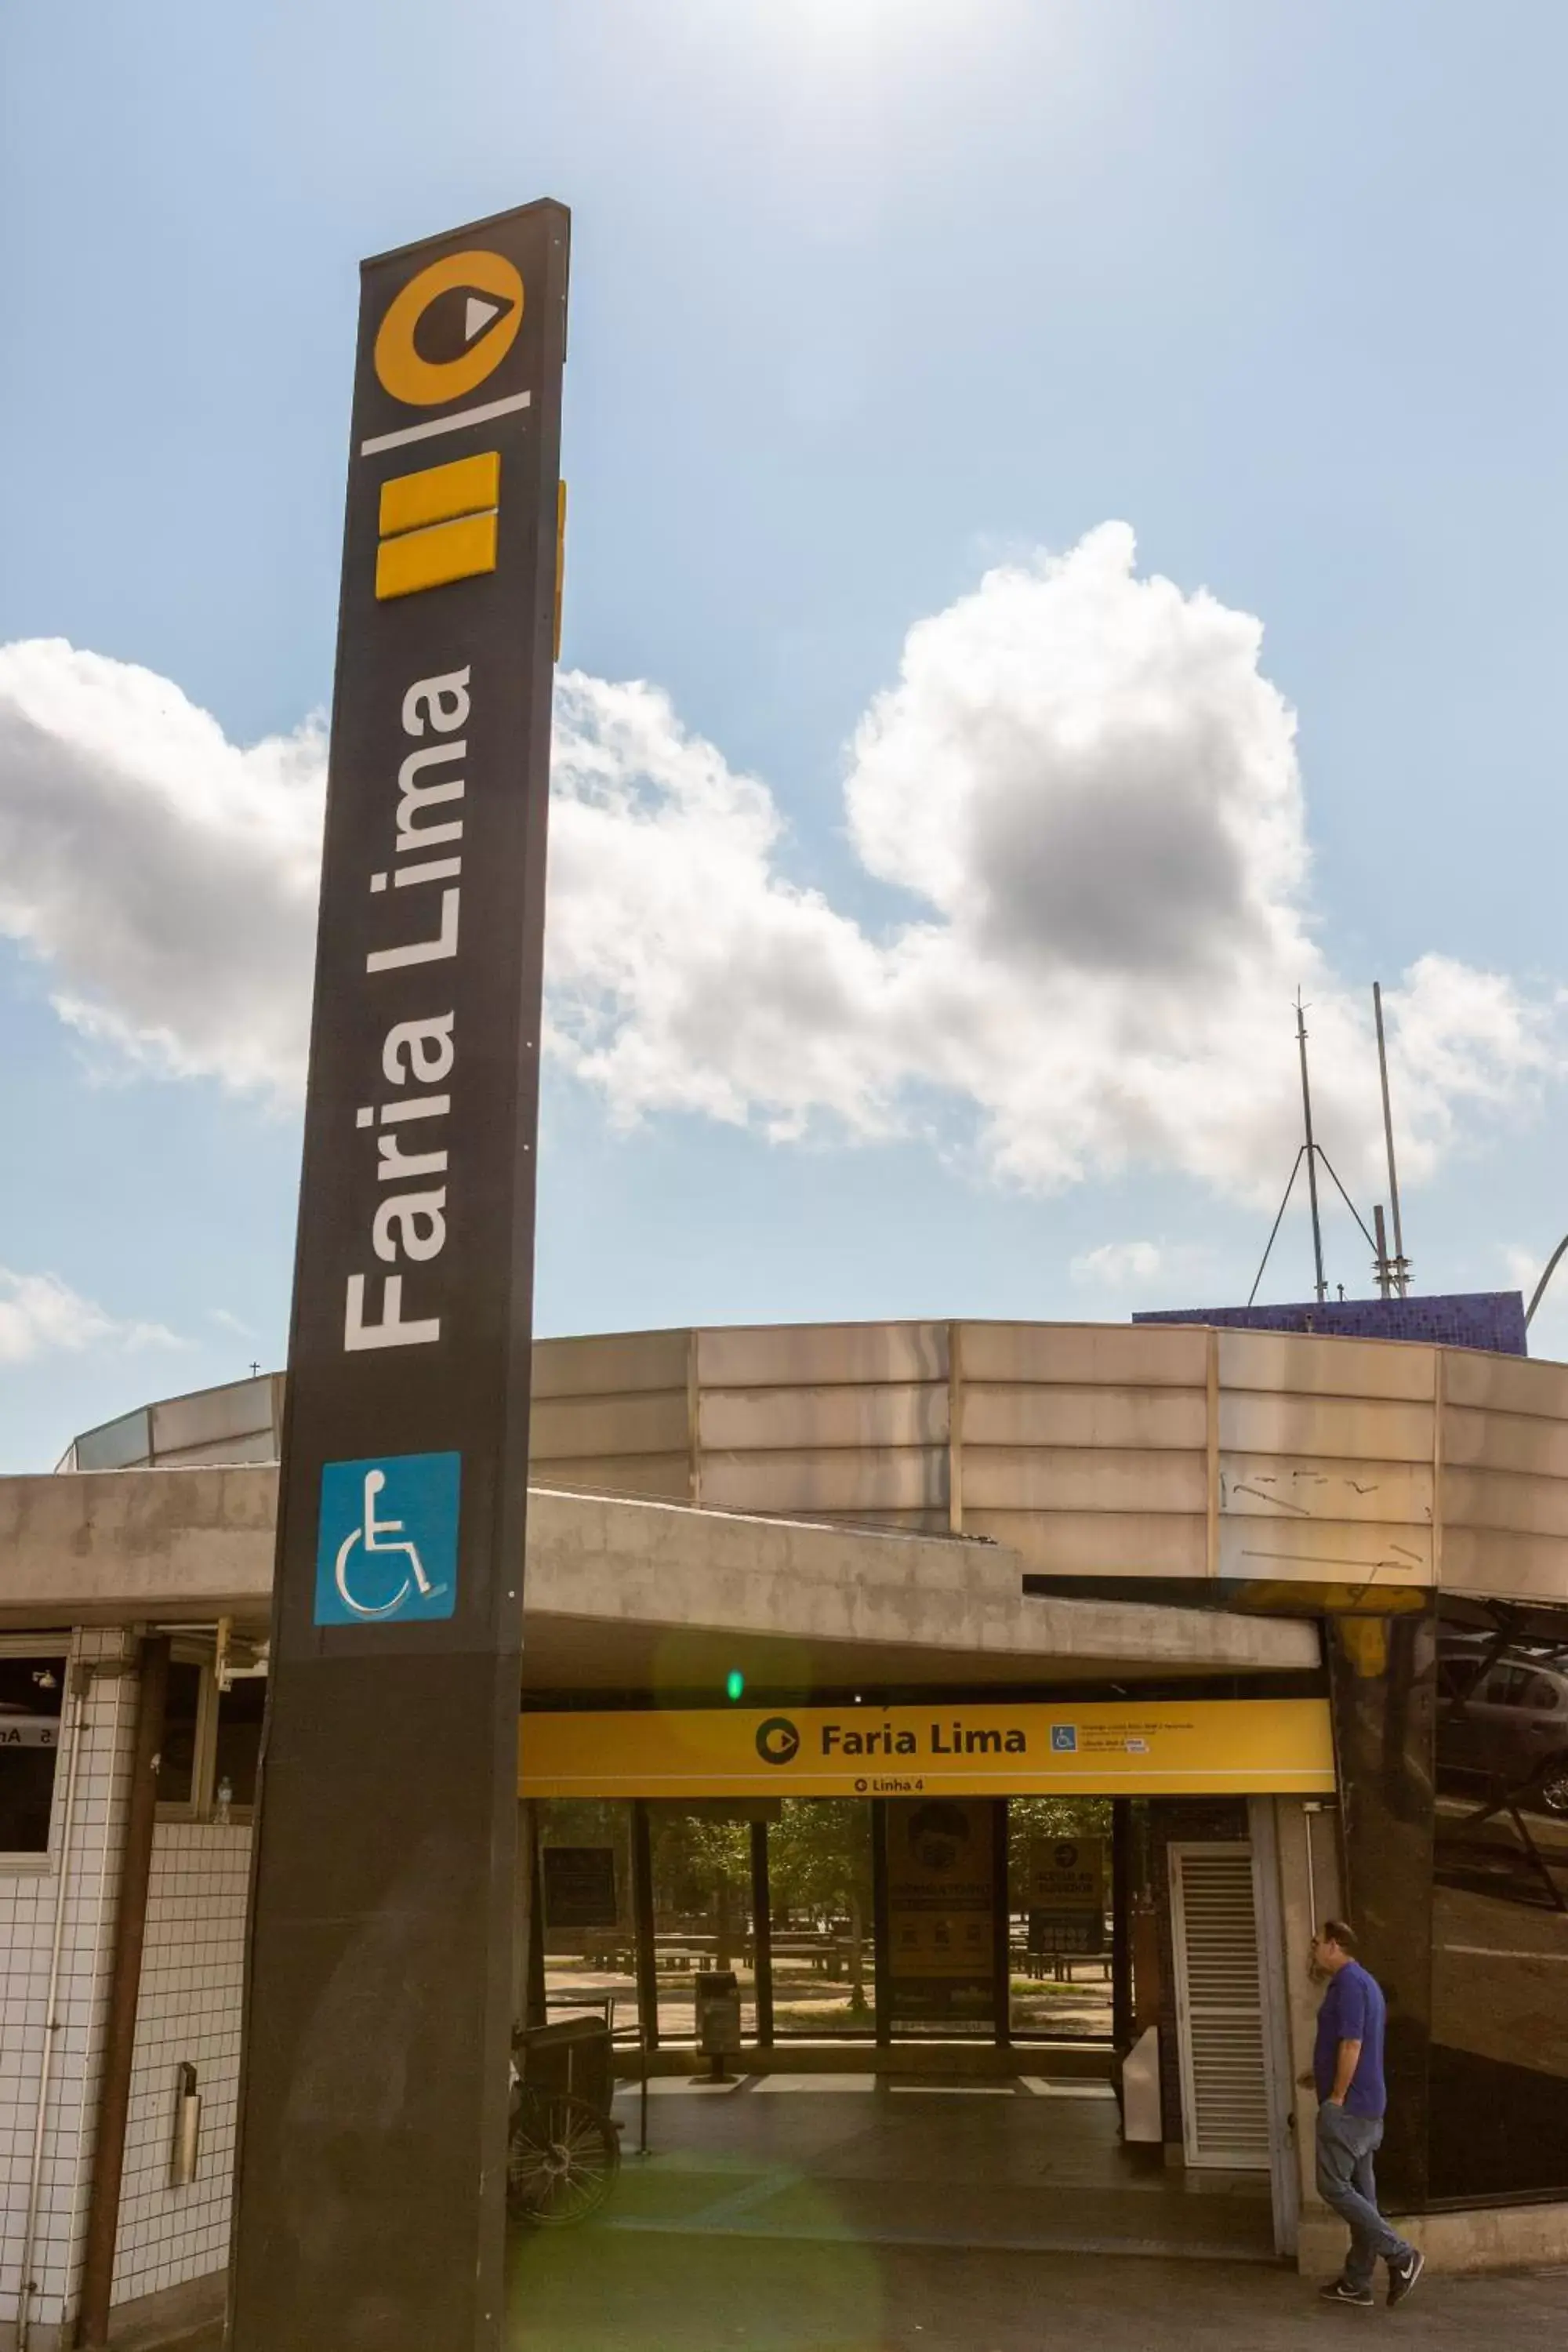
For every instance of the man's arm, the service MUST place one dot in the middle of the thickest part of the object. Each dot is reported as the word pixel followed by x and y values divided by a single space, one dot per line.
pixel 1347 2058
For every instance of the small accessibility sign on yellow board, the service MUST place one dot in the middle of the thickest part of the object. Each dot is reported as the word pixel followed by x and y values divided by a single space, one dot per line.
pixel 1194 1748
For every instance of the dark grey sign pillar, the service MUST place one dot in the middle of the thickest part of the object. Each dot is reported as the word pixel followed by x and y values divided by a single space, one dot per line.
pixel 372 2130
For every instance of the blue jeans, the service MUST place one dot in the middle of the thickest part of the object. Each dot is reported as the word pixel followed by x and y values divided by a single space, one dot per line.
pixel 1346 2145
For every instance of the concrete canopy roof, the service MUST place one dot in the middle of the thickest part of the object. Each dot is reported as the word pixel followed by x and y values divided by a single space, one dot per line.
pixel 632 1595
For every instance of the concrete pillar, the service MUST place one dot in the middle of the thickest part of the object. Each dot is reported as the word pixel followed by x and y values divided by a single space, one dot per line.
pixel 527 1963
pixel 1306 1837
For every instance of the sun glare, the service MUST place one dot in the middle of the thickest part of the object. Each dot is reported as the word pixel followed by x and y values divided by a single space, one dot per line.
pixel 886 35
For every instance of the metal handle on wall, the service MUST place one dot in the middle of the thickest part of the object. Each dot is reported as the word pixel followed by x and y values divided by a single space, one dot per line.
pixel 187 2127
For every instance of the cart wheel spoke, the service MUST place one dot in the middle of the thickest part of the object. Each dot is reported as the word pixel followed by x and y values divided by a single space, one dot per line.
pixel 561 2160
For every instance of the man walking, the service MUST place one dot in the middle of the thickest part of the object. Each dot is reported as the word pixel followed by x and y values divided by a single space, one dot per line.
pixel 1347 2072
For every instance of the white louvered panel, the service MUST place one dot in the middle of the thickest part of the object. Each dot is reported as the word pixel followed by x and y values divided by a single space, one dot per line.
pixel 1219 2008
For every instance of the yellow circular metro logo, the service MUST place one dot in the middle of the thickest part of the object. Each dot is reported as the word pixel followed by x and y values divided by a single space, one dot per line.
pixel 778 1741
pixel 449 329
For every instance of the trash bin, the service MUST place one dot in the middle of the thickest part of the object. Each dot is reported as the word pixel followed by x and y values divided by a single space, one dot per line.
pixel 1140 2089
pixel 718 2015
pixel 572 2055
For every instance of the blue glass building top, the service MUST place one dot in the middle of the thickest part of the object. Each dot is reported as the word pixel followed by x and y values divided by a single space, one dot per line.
pixel 1489 1319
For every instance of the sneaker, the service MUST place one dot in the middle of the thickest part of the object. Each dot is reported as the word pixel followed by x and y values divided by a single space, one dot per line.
pixel 1341 2291
pixel 1402 2276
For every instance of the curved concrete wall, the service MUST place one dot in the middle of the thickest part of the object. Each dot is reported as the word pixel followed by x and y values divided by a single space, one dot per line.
pixel 1093 1450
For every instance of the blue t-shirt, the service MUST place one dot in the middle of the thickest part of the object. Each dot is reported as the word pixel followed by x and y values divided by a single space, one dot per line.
pixel 1353 2010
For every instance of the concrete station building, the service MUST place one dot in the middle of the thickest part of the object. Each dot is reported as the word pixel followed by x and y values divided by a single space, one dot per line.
pixel 1292 1604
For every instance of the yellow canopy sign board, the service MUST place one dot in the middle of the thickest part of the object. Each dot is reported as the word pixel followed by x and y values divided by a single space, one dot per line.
pixel 1179 1748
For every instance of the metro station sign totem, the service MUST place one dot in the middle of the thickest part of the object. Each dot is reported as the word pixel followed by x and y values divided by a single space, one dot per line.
pixel 379 2004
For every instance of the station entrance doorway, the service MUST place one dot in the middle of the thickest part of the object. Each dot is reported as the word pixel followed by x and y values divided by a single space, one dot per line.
pixel 847 1919
pixel 1053 2014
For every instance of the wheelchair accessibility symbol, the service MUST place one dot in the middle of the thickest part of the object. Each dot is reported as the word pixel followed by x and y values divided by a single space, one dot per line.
pixel 386 1545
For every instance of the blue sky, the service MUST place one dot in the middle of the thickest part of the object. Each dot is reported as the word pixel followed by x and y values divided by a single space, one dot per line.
pixel 867 299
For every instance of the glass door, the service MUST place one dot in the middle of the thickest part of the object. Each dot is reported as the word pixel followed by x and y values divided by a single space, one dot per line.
pixel 584 1881
pixel 821 1902
pixel 1059 1918
pixel 702 1909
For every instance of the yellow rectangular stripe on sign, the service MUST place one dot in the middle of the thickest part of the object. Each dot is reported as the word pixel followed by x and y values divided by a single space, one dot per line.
pixel 428 559
pixel 437 525
pixel 1172 1748
pixel 438 493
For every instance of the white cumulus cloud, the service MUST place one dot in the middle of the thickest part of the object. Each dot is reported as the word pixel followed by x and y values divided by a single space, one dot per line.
pixel 40 1315
pixel 1118 1264
pixel 1145 1273
pixel 1084 797
pixel 1080 799
pixel 685 969
pixel 165 878
pixel 230 1321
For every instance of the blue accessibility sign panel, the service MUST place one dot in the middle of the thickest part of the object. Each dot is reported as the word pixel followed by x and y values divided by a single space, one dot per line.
pixel 386 1545
pixel 1064 1740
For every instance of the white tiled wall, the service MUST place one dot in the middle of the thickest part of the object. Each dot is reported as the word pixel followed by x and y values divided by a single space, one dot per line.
pixel 192 1974
pixel 26 1927
pixel 189 2009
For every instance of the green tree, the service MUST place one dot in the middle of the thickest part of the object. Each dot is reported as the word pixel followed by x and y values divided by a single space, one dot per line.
pixel 1032 1818
pixel 720 1855
pixel 819 1861
pixel 704 1866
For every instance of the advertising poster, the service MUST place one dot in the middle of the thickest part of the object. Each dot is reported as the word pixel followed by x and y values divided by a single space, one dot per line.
pixel 941 1927
pixel 579 1887
pixel 1067 1895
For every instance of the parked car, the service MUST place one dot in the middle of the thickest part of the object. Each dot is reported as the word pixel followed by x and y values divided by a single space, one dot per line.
pixel 1502 1720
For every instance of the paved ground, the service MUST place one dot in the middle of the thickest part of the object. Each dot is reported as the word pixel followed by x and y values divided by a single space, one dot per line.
pixel 838 2215
pixel 783 2220
pixel 1020 2165
pixel 596 2293
pixel 600 2293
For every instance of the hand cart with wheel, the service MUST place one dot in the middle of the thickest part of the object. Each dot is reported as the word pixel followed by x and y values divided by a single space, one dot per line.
pixel 563 2147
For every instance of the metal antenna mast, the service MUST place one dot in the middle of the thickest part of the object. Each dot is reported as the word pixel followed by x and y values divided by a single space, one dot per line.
pixel 1400 1269
pixel 1312 1151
